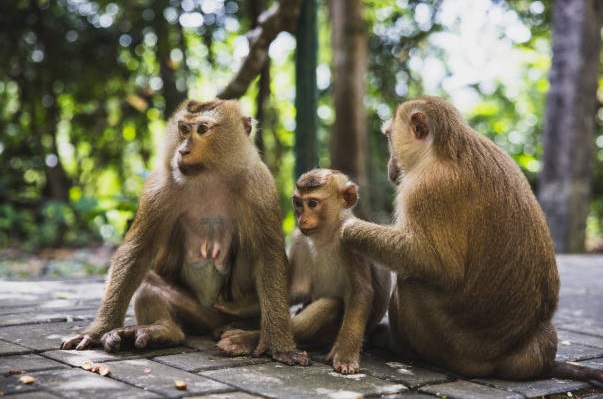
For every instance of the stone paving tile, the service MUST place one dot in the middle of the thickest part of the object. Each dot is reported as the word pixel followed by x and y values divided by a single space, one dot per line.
pixel 76 358
pixel 317 381
pixel 159 378
pixel 29 362
pixel 198 361
pixel 54 315
pixel 407 374
pixel 535 389
pixel 570 351
pixel 227 395
pixel 468 390
pixel 34 395
pixel 589 326
pixel 42 336
pixel 8 348
pixel 584 339
pixel 74 383
pixel 595 363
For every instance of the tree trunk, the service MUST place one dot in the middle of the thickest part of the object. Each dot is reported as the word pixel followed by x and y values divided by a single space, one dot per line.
pixel 565 181
pixel 306 142
pixel 349 133
pixel 263 84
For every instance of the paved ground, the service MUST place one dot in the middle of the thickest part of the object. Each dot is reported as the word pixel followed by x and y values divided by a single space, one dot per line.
pixel 34 315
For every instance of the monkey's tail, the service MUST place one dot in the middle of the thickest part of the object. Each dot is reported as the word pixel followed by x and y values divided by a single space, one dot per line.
pixel 575 371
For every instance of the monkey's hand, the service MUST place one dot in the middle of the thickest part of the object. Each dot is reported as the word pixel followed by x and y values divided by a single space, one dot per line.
pixel 80 342
pixel 293 358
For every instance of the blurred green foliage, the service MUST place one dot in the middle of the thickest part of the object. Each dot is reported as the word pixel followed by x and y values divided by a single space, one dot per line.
pixel 86 85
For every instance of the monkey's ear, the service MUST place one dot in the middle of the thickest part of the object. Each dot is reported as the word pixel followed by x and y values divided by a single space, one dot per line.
pixel 419 124
pixel 350 195
pixel 247 124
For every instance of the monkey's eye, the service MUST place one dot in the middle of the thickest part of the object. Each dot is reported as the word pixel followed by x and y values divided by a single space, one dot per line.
pixel 202 128
pixel 184 128
pixel 298 203
pixel 313 203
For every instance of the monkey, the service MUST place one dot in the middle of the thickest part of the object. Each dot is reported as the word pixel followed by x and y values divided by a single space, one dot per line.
pixel 207 226
pixel 344 294
pixel 476 275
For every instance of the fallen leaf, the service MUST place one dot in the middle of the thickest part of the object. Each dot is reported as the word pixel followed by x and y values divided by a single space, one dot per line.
pixel 87 365
pixel 27 379
pixel 180 385
pixel 147 371
pixel 104 370
pixel 17 372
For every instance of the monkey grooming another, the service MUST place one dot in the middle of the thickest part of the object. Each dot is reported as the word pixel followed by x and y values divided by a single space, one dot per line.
pixel 344 295
pixel 477 280
pixel 208 225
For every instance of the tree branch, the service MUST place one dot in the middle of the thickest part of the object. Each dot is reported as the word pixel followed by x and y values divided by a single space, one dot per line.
pixel 282 16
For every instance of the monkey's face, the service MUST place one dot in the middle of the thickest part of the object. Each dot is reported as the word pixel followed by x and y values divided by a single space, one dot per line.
pixel 311 212
pixel 195 137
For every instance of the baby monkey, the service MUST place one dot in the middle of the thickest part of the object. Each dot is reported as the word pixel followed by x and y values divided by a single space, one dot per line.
pixel 344 294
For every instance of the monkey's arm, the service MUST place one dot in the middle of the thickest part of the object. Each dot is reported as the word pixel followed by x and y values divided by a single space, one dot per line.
pixel 245 307
pixel 129 265
pixel 271 278
pixel 408 253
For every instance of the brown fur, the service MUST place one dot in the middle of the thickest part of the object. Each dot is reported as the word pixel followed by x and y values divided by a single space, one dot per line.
pixel 344 294
pixel 208 224
pixel 477 281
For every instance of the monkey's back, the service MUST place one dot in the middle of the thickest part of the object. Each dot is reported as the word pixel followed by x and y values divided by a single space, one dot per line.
pixel 489 224
pixel 511 277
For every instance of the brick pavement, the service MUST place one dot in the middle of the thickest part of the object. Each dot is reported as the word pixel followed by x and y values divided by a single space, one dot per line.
pixel 36 314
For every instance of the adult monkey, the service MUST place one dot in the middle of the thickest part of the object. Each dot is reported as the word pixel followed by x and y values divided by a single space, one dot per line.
pixel 208 223
pixel 477 280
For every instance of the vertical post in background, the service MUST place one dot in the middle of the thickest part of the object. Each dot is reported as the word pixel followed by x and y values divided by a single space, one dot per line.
pixel 306 94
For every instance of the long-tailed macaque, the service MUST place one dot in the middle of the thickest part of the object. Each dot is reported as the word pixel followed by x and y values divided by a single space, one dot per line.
pixel 208 225
pixel 477 281
pixel 344 295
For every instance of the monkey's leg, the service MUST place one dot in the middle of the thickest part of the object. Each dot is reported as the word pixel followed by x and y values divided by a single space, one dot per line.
pixel 318 323
pixel 236 342
pixel 157 305
pixel 345 353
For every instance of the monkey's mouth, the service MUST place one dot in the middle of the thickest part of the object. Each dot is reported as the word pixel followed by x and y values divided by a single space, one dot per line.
pixel 189 169
pixel 308 232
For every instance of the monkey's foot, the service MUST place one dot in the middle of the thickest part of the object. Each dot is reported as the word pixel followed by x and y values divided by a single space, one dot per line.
pixel 235 342
pixel 142 337
pixel 344 364
pixel 79 342
pixel 293 358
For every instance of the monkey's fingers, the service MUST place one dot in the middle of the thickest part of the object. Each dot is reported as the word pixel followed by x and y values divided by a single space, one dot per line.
pixel 292 358
pixel 343 363
pixel 236 342
pixel 78 342
pixel 346 367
